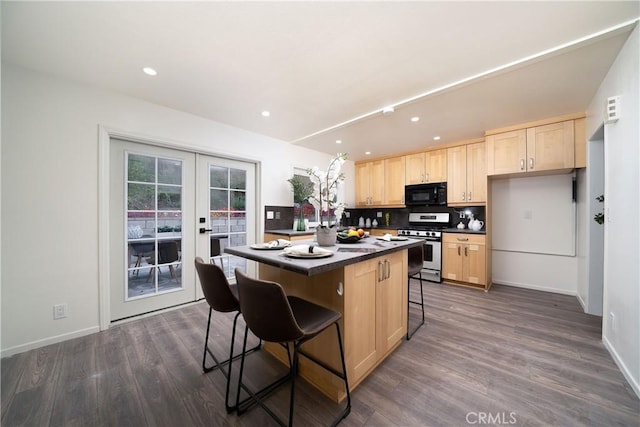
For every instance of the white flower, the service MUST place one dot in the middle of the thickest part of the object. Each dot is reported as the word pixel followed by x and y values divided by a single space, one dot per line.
pixel 326 185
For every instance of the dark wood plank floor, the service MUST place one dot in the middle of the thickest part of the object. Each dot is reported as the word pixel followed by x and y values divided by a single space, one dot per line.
pixel 512 356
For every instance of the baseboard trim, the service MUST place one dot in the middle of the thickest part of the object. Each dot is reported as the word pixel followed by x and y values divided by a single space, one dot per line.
pixel 47 341
pixel 621 365
pixel 534 287
pixel 582 303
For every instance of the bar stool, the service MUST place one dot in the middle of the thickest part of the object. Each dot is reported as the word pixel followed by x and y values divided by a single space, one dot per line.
pixel 275 317
pixel 416 257
pixel 223 298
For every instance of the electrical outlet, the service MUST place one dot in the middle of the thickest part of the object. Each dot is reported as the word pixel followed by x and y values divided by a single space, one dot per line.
pixel 612 318
pixel 347 214
pixel 379 214
pixel 59 311
pixel 461 215
pixel 269 214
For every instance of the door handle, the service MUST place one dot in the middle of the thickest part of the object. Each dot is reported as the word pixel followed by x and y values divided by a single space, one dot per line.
pixel 469 195
pixel 521 164
pixel 463 195
pixel 388 269
pixel 204 230
pixel 465 251
pixel 531 163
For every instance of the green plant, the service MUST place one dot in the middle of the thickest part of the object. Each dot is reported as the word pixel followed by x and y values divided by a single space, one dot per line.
pixel 599 218
pixel 302 188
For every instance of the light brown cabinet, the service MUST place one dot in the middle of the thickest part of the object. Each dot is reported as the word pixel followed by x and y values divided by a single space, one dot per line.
pixel 466 175
pixel 370 183
pixel 464 258
pixel 380 182
pixel 374 307
pixel 430 166
pixel 543 148
pixel 394 170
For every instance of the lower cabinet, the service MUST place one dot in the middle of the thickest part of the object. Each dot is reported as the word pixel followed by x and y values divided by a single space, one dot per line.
pixel 375 312
pixel 464 259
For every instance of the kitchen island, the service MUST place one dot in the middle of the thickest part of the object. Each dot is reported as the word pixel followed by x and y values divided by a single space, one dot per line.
pixel 366 282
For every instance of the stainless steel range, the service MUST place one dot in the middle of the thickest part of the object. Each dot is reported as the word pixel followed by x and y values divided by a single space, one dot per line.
pixel 428 226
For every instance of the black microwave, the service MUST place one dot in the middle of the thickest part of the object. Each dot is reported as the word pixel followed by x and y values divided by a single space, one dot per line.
pixel 426 194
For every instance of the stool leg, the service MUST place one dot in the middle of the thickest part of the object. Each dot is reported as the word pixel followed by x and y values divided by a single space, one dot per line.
pixel 421 303
pixel 347 408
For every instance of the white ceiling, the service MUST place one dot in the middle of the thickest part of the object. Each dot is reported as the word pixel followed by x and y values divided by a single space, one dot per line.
pixel 315 65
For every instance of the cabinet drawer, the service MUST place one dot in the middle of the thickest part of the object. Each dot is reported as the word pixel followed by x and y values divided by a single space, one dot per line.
pixel 474 239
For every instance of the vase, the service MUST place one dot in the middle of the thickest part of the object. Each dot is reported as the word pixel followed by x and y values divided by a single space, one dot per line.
pixel 300 225
pixel 326 236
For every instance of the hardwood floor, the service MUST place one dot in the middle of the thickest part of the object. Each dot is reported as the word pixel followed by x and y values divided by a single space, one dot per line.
pixel 511 356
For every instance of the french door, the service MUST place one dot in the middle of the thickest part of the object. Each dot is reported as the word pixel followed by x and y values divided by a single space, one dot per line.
pixel 168 206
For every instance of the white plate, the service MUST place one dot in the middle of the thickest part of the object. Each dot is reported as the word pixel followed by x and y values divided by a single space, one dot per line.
pixel 262 247
pixel 396 238
pixel 311 255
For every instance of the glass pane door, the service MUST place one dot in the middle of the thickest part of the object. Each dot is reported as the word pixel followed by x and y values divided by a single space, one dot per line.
pixel 230 211
pixel 154 225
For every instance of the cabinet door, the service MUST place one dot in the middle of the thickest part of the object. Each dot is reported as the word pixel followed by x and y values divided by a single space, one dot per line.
pixel 360 317
pixel 394 170
pixel 436 166
pixel 474 264
pixel 550 147
pixel 451 261
pixel 414 168
pixel 507 152
pixel 476 173
pixel 391 300
pixel 457 175
pixel 363 173
pixel 376 183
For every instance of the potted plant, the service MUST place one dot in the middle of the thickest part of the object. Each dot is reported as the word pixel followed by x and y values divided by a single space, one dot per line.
pixel 325 198
pixel 302 190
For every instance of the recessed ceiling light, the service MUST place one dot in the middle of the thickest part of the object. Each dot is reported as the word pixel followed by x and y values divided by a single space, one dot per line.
pixel 415 119
pixel 338 141
pixel 436 138
pixel 265 113
pixel 149 71
pixel 367 152
pixel 388 110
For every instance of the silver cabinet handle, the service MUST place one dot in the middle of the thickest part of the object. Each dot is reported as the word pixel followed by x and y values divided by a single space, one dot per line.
pixel 521 164
pixel 462 239
pixel 380 272
pixel 531 163
pixel 388 269
pixel 427 178
pixel 458 250
pixel 463 196
pixel 465 251
pixel 340 289
pixel 469 195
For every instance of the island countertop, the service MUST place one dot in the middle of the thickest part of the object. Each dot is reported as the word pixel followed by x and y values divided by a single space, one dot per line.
pixel 343 254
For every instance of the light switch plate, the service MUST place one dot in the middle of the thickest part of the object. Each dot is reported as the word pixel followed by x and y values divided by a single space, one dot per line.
pixel 269 214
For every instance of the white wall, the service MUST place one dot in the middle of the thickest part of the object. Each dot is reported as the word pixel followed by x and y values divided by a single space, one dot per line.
pixel 50 201
pixel 622 209
pixel 533 226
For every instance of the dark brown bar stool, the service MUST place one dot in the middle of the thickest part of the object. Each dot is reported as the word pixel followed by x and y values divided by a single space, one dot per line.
pixel 221 297
pixel 275 317
pixel 416 256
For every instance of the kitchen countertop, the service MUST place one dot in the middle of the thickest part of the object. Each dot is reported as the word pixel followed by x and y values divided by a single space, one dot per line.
pixel 291 232
pixel 464 230
pixel 365 249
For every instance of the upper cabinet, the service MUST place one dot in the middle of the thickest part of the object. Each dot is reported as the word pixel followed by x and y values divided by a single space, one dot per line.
pixel 430 166
pixel 467 175
pixel 380 182
pixel 370 183
pixel 394 176
pixel 543 148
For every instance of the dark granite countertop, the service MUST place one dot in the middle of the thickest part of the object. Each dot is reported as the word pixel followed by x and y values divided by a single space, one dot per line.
pixel 344 254
pixel 291 232
pixel 464 230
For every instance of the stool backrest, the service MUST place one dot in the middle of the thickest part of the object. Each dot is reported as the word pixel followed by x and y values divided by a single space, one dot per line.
pixel 416 259
pixel 266 310
pixel 215 287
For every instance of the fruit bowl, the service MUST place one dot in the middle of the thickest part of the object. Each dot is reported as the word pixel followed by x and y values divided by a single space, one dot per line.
pixel 343 238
